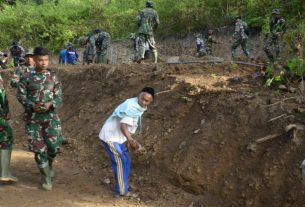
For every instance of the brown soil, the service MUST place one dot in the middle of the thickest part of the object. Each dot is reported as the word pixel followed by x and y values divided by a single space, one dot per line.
pixel 196 135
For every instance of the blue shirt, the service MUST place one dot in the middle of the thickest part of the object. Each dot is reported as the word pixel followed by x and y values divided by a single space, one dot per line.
pixel 71 56
pixel 62 56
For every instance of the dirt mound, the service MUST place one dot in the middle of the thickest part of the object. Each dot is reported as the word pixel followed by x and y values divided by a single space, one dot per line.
pixel 196 135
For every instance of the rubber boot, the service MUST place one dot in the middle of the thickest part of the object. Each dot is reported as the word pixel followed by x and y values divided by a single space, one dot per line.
pixel 47 183
pixel 155 56
pixel 5 161
pixel 303 170
pixel 52 172
pixel 65 141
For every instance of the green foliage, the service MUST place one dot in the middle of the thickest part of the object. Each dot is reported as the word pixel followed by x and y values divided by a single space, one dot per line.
pixel 54 22
pixel 295 69
pixel 296 66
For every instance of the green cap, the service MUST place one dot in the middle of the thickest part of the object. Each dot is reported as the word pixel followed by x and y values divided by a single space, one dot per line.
pixel 29 52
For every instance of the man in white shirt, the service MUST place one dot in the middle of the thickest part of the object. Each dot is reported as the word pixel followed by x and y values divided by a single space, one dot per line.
pixel 116 137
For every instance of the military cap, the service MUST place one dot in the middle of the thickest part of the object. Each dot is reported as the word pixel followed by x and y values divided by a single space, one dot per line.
pixel 29 52
pixel 149 4
pixel 275 11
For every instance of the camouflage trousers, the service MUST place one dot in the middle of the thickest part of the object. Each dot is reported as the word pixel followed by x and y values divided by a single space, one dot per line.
pixel 143 38
pixel 88 56
pixel 6 135
pixel 244 46
pixel 209 50
pixel 101 57
pixel 268 43
pixel 44 137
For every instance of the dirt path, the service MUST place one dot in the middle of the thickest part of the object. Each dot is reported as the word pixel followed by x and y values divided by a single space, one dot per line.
pixel 72 187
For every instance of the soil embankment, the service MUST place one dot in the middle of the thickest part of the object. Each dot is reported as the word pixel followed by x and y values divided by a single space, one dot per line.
pixel 196 135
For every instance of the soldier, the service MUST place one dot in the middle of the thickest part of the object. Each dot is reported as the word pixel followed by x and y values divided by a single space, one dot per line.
pixel 135 44
pixel 148 22
pixel 16 52
pixel 40 93
pixel 83 41
pixel 90 51
pixel 3 59
pixel 21 69
pixel 102 43
pixel 6 138
pixel 209 41
pixel 240 37
pixel 277 29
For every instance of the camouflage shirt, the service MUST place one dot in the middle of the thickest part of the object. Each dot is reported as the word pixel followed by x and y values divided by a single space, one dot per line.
pixel 19 72
pixel 277 25
pixel 39 88
pixel 102 42
pixel 3 100
pixel 148 21
pixel 239 30
pixel 210 41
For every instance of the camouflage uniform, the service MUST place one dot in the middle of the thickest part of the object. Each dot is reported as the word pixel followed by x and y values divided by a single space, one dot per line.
pixel 148 21
pixel 209 41
pixel 19 72
pixel 240 38
pixel 6 139
pixel 43 129
pixel 102 43
pixel 90 52
pixel 6 132
pixel 277 25
pixel 16 52
pixel 83 41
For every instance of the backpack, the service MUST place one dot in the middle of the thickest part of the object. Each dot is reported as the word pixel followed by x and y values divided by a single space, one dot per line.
pixel 16 51
pixel 99 41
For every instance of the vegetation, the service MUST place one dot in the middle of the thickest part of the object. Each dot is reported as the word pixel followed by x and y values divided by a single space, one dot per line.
pixel 52 23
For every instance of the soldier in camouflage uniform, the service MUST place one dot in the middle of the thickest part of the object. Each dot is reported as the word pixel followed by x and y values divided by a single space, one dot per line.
pixel 83 41
pixel 277 29
pixel 209 41
pixel 16 52
pixel 148 21
pixel 240 37
pixel 40 93
pixel 6 138
pixel 102 43
pixel 21 69
pixel 89 54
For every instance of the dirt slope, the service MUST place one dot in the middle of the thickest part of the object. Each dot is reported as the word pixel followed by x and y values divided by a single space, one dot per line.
pixel 196 135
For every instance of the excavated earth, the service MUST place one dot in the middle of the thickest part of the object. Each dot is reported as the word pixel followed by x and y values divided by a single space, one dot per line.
pixel 196 134
pixel 199 135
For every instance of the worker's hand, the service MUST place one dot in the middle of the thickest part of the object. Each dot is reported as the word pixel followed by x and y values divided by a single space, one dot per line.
pixel 132 143
pixel 41 108
pixel 15 77
pixel 47 105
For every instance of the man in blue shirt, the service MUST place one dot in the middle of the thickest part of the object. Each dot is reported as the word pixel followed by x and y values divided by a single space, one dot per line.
pixel 71 55
pixel 62 56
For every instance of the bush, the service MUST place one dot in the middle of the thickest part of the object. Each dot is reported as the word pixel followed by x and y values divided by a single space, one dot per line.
pixel 52 23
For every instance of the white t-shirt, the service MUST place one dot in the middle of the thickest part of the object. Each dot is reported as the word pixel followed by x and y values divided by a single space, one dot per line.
pixel 111 130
